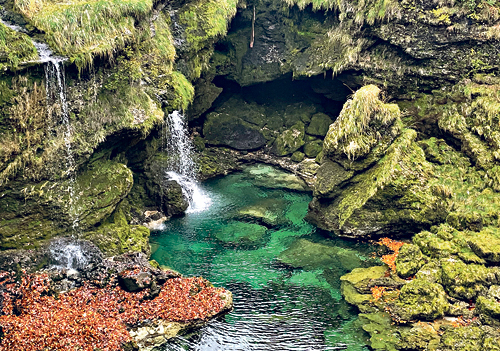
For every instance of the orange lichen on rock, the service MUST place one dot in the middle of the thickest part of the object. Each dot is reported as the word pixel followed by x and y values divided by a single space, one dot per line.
pixel 393 245
pixel 94 318
pixel 377 292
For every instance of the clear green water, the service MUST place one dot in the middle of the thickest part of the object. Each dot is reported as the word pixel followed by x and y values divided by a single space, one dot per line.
pixel 276 307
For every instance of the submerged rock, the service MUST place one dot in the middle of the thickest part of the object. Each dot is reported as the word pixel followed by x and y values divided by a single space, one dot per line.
pixel 275 178
pixel 310 255
pixel 269 211
pixel 241 233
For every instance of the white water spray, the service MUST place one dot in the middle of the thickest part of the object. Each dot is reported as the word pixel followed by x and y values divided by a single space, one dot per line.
pixel 68 256
pixel 180 166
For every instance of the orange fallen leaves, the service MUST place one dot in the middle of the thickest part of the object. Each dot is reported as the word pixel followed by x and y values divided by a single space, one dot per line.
pixel 89 317
pixel 393 245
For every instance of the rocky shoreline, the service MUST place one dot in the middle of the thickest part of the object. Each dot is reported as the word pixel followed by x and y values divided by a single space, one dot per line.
pixel 115 303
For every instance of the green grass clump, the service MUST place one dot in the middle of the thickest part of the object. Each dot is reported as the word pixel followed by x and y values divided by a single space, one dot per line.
pixel 83 29
pixel 364 11
pixel 15 48
pixel 205 20
pixel 362 123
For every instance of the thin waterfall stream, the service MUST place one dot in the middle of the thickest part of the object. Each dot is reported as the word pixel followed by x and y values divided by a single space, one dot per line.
pixel 180 166
pixel 66 254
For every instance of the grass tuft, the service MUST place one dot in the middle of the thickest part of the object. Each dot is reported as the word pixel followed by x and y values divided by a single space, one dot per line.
pixel 82 29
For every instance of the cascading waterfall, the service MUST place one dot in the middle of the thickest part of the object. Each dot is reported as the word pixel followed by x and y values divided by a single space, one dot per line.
pixel 180 166
pixel 65 254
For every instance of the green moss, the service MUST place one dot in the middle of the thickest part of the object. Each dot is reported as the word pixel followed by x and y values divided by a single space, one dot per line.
pixel 204 20
pixel 403 164
pixel 420 299
pixel 486 244
pixel 313 148
pixel 383 335
pixel 84 29
pixel 290 140
pixel 409 260
pixel 297 156
pixel 15 48
pixel 489 310
pixel 362 123
pixel 369 12
pixel 44 210
pixel 463 339
pixel 319 125
pixel 465 281
pixel 115 236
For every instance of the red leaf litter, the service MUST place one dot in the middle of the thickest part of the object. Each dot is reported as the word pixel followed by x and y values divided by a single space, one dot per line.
pixel 93 318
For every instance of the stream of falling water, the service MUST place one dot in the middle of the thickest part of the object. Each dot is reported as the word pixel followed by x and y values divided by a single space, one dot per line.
pixel 180 165
pixel 56 92
pixel 65 254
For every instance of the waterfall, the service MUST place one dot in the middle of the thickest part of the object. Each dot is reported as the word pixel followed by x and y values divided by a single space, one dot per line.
pixel 67 255
pixel 180 165
pixel 56 92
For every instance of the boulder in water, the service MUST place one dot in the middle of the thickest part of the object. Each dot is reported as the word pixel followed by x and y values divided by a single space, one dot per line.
pixel 274 178
pixel 241 233
pixel 310 255
pixel 269 211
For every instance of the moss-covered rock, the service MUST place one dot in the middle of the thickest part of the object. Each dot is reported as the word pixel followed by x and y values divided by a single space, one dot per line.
pixel 225 129
pixel 419 338
pixel 409 260
pixel 488 310
pixel 382 172
pixel 116 236
pixel 383 335
pixel 486 244
pixel 297 156
pixel 466 281
pixel 15 48
pixel 421 300
pixel 319 125
pixel 359 278
pixel 313 148
pixel 290 140
pixel 41 211
pixel 464 338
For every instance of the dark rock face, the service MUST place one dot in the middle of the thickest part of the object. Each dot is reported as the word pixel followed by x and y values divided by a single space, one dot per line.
pixel 166 193
pixel 237 135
